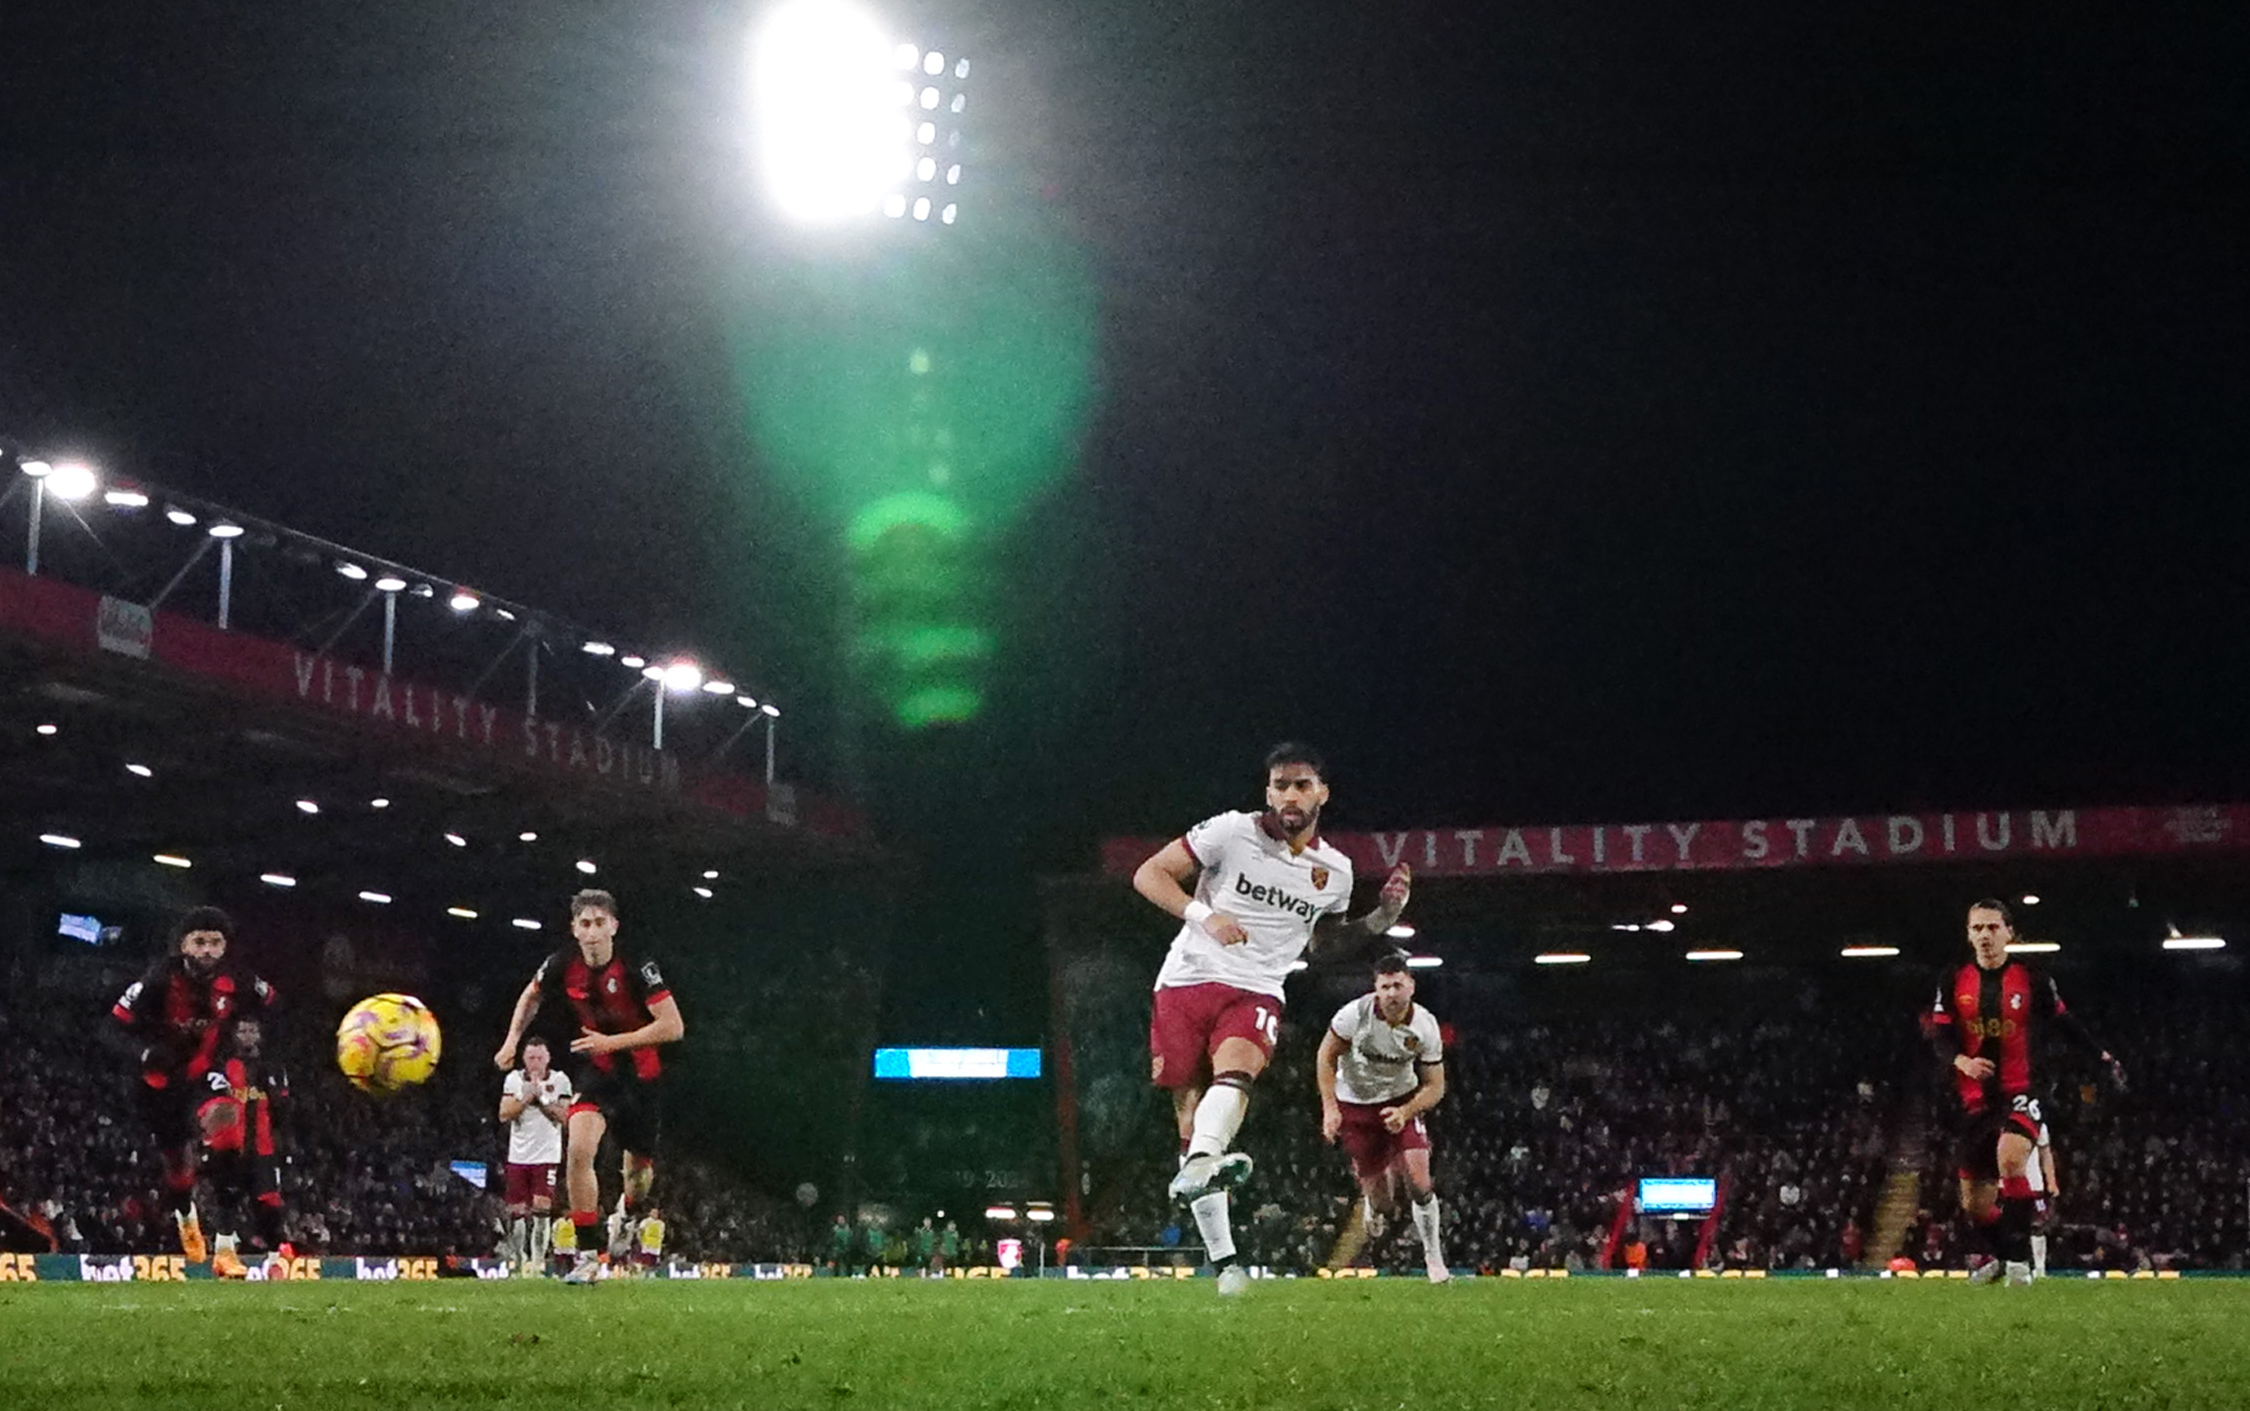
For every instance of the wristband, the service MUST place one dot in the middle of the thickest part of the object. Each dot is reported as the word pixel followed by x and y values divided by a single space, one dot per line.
pixel 1196 914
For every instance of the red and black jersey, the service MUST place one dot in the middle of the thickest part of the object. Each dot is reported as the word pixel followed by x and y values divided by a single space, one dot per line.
pixel 2001 1015
pixel 256 1085
pixel 610 999
pixel 184 1015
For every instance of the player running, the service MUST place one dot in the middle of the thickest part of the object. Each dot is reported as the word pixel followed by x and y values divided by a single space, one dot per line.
pixel 1267 889
pixel 625 1012
pixel 237 1123
pixel 534 1106
pixel 181 1009
pixel 1984 1025
pixel 1381 1066
pixel 2040 1171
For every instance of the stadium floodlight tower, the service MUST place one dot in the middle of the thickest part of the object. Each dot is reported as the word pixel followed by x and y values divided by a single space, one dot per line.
pixel 852 122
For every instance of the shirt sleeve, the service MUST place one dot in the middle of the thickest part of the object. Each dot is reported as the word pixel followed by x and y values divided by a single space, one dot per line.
pixel 512 1086
pixel 136 1006
pixel 1433 1041
pixel 650 977
pixel 549 971
pixel 561 1086
pixel 1207 841
pixel 1346 1022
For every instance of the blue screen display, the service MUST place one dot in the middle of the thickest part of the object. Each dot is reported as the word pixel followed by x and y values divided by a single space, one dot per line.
pixel 1678 1192
pixel 956 1064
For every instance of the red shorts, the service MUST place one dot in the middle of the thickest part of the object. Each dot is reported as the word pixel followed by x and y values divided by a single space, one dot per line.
pixel 1373 1146
pixel 523 1186
pixel 1187 1024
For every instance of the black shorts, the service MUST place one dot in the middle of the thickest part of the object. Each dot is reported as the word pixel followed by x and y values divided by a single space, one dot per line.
pixel 1977 1152
pixel 169 1111
pixel 630 1107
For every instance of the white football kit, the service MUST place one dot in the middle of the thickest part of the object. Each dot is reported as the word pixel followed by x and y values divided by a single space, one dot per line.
pixel 1384 1061
pixel 534 1138
pixel 1275 894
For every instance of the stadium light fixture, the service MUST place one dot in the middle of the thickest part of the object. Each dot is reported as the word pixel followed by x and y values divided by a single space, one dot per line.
pixel 351 570
pixel 378 803
pixel 771 711
pixel 1867 952
pixel 71 480
pixel 2030 899
pixel 2195 943
pixel 832 136
pixel 2033 947
pixel 703 892
pixel 463 601
pixel 45 728
pixel 586 865
pixel 308 806
pixel 652 673
pixel 1625 926
pixel 466 913
pixel 60 840
pixel 711 874
pixel 999 1212
pixel 632 663
pixel 1561 957
pixel 683 676
pixel 1424 962
pixel 181 517
pixel 225 529
pixel 140 771
pixel 1660 924
pixel 1039 1214
pixel 37 469
pixel 717 687
pixel 390 583
pixel 747 702
pixel 126 498
pixel 1714 955
pixel 524 923
pixel 277 879
pixel 598 649
pixel 378 898
pixel 457 840
pixel 1679 908
pixel 527 836
pixel 171 859
pixel 1401 932
pixel 425 590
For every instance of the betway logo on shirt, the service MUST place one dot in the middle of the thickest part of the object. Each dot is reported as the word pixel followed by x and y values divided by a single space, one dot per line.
pixel 1275 897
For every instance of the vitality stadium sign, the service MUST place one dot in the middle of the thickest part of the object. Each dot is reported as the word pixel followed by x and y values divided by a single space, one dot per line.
pixel 1734 844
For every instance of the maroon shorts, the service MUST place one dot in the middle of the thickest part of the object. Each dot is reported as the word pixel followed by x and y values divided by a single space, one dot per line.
pixel 1187 1024
pixel 1373 1146
pixel 523 1186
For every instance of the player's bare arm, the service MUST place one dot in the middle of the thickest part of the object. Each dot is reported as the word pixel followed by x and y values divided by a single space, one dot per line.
pixel 1332 1046
pixel 527 1004
pixel 511 1108
pixel 664 1027
pixel 1333 937
pixel 1164 877
pixel 1425 1097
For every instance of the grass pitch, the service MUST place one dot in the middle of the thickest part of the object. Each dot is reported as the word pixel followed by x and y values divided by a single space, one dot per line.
pixel 1366 1345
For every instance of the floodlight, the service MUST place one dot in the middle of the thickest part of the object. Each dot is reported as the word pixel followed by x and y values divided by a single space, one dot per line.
pixel 1867 952
pixel 2170 942
pixel 2032 947
pixel 894 205
pixel 59 840
pixel 653 673
pixel 711 874
pixel 1039 1214
pixel 71 480
pixel 524 923
pixel 225 530
pixel 307 806
pixel 683 676
pixel 277 879
pixel 933 63
pixel 599 649
pixel 929 99
pixel 747 702
pixel 1424 962
pixel 830 135
pixel 424 590
pixel 527 837
pixel 772 710
pixel 1561 957
pixel 457 840
pixel 703 892
pixel 464 912
pixel 586 865
pixel 2030 900
pixel 463 601
pixel 38 470
pixel 378 803
pixel 1400 932
pixel 953 175
pixel 378 898
pixel 999 1212
pixel 1679 908
pixel 390 583
pixel 717 687
pixel 47 729
pixel 140 771
pixel 921 208
pixel 1714 955
pixel 926 133
pixel 351 570
pixel 949 214
pixel 926 169
pixel 634 663
pixel 126 499
pixel 179 516
pixel 1657 925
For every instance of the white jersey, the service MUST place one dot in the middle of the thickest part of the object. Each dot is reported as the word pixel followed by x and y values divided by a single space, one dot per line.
pixel 534 1138
pixel 1274 893
pixel 1383 1062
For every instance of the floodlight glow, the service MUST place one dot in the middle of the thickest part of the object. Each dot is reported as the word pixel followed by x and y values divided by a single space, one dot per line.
pixel 457 840
pixel 747 702
pixel 961 69
pixel 1657 925
pixel 307 806
pixel 907 56
pixel 378 898
pixel 59 840
pixel 140 771
pixel 682 676
pixel 930 98
pixel 926 133
pixel 225 530
pixel 933 63
pixel 47 729
pixel 999 1212
pixel 716 687
pixel 390 583
pixel 921 208
pixel 711 875
pixel 953 175
pixel 2170 942
pixel 1714 955
pixel 464 912
pixel 1039 1214
pixel 179 516
pixel 586 865
pixel 373 803
pixel 126 499
pixel 37 470
pixel 949 214
pixel 527 837
pixel 771 709
pixel 830 136
pixel 2030 900
pixel 703 892
pixel 1867 952
pixel 1424 962
pixel 632 663
pixel 1561 957
pixel 926 169
pixel 894 205
pixel 1400 932
pixel 1679 908
pixel 463 601
pixel 652 673
pixel 71 480
pixel 599 649
pixel 277 879
pixel 524 923
pixel 351 570
pixel 960 101
pixel 2032 947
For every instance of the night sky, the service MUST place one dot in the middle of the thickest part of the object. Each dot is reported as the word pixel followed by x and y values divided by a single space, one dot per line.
pixel 1560 413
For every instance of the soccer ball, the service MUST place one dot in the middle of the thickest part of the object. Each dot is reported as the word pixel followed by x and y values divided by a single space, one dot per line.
pixel 388 1042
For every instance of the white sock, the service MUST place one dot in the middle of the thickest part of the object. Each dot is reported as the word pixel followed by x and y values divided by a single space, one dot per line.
pixel 1211 1220
pixel 2039 1255
pixel 1426 1225
pixel 224 1243
pixel 540 1235
pixel 1217 1118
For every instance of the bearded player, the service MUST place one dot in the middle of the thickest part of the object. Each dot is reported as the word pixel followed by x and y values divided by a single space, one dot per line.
pixel 1381 1066
pixel 1985 1025
pixel 1266 890
pixel 625 1013
pixel 181 1009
